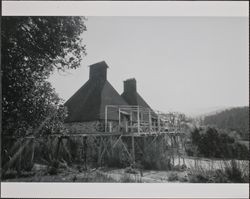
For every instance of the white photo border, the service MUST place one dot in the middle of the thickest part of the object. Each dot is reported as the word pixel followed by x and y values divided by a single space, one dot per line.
pixel 124 8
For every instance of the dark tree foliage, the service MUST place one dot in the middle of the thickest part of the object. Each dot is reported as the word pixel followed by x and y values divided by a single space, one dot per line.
pixel 215 144
pixel 195 136
pixel 32 48
pixel 235 119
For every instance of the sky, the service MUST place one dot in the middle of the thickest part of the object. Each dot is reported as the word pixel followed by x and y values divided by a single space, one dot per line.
pixel 192 65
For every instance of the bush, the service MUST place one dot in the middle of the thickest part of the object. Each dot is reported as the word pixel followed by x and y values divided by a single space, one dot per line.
pixel 53 168
pixel 126 178
pixel 173 176
pixel 156 158
pixel 232 173
pixel 182 167
pixel 214 144
pixel 118 158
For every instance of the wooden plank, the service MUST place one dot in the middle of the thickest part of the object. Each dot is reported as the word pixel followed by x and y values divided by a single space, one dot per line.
pixel 106 118
pixel 119 118
pixel 125 147
pixel 149 118
pixel 133 149
pixel 58 147
pixel 138 119
pixel 32 151
pixel 117 141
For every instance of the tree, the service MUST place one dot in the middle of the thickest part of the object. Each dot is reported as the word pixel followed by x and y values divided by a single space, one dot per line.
pixel 212 143
pixel 233 120
pixel 33 48
pixel 195 136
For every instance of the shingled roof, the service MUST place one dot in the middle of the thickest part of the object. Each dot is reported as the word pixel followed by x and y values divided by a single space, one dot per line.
pixel 132 97
pixel 89 102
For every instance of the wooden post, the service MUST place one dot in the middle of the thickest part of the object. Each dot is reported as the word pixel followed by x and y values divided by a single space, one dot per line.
pixel 85 152
pixel 158 121
pixel 99 161
pixel 138 119
pixel 58 147
pixel 131 121
pixel 106 118
pixel 110 127
pixel 19 167
pixel 119 123
pixel 144 144
pixel 33 151
pixel 149 118
pixel 179 158
pixel 133 149
pixel 172 149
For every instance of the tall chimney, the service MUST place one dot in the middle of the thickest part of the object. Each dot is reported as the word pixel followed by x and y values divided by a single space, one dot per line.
pixel 98 71
pixel 130 86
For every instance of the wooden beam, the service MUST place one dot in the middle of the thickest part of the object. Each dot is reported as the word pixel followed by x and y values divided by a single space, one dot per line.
pixel 155 138
pixel 119 117
pixel 117 141
pixel 32 151
pixel 125 147
pixel 99 160
pixel 85 147
pixel 58 147
pixel 158 121
pixel 131 121
pixel 133 149
pixel 106 118
pixel 149 118
pixel 138 119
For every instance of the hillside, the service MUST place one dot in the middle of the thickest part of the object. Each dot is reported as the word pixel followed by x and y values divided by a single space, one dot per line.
pixel 234 119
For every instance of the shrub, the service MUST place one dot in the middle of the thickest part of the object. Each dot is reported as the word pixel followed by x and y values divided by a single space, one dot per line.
pixel 53 168
pixel 126 178
pixel 156 158
pixel 214 144
pixel 183 179
pixel 234 172
pixel 117 158
pixel 173 176
pixel 182 167
pixel 231 173
pixel 101 177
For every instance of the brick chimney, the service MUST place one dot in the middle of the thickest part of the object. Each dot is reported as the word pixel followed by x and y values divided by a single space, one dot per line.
pixel 130 86
pixel 98 71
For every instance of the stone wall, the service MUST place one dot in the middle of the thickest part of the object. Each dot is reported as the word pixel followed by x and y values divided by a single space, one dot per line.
pixel 90 127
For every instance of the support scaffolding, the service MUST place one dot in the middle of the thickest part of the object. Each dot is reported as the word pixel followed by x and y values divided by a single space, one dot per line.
pixel 140 120
pixel 134 146
pixel 143 128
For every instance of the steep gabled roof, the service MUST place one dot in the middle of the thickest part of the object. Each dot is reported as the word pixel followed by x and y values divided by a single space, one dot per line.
pixel 132 97
pixel 135 99
pixel 89 102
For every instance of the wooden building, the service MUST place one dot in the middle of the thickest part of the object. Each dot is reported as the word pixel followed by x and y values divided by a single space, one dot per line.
pixel 87 108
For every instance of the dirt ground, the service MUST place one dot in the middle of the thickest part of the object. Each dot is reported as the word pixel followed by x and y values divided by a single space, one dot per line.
pixel 74 174
pixel 99 175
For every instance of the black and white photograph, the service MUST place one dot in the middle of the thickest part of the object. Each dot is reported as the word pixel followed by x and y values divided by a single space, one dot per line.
pixel 125 99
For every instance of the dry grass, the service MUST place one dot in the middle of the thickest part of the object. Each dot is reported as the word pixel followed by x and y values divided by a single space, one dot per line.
pixel 231 172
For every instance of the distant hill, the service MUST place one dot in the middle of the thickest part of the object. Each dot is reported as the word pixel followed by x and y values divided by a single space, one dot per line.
pixel 233 119
pixel 202 112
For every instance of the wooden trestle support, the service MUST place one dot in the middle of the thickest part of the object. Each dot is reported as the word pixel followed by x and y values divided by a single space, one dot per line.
pixel 143 130
pixel 132 146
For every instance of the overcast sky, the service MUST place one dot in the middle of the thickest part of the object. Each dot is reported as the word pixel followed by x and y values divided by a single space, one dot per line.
pixel 186 64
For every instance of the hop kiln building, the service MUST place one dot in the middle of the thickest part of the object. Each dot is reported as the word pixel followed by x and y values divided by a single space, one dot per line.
pixel 98 107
